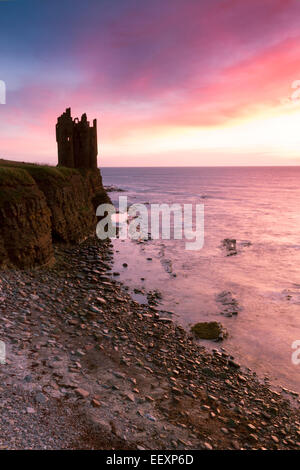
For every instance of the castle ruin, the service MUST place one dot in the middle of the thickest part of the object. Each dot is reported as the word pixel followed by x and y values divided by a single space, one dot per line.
pixel 76 141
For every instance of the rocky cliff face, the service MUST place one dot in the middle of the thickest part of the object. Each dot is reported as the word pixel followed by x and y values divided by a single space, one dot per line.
pixel 43 205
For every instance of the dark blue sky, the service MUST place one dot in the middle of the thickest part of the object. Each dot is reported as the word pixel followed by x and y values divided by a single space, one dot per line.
pixel 154 72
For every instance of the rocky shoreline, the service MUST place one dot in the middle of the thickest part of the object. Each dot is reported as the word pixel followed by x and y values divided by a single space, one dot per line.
pixel 90 368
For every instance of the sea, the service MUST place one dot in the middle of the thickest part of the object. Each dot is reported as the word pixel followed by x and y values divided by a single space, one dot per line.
pixel 253 290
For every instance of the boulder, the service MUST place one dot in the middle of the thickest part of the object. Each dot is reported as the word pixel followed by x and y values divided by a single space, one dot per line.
pixel 230 245
pixel 209 330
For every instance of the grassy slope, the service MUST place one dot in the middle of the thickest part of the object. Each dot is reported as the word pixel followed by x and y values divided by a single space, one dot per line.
pixel 17 177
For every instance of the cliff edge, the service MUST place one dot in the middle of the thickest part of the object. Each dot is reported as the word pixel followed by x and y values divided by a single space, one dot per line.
pixel 41 205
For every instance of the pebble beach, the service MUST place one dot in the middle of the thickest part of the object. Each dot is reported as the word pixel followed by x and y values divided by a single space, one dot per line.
pixel 88 367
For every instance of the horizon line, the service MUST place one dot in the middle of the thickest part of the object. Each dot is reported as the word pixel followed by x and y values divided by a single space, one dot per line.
pixel 198 166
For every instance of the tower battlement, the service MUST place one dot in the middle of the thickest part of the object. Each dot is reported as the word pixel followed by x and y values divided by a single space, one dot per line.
pixel 76 141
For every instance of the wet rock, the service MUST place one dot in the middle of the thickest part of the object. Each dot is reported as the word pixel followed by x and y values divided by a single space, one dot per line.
pixel 41 398
pixel 167 265
pixel 229 305
pixel 30 410
pixel 150 417
pixel 82 393
pixel 233 363
pixel 114 189
pixel 96 403
pixel 207 446
pixel 209 330
pixel 230 246
pixel 154 297
pixel 245 243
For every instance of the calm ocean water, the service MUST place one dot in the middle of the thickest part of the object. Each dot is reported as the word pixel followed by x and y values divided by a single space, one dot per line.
pixel 259 205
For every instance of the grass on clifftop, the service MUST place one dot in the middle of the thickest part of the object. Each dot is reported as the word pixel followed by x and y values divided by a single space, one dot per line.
pixel 15 185
pixel 14 176
pixel 39 173
pixel 48 174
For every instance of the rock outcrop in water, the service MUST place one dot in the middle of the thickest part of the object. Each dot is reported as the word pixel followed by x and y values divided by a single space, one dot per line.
pixel 230 246
pixel 40 205
pixel 209 330
pixel 228 303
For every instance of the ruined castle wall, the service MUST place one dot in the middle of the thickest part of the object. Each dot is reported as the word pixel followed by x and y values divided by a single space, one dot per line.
pixel 65 138
pixel 41 205
pixel 76 141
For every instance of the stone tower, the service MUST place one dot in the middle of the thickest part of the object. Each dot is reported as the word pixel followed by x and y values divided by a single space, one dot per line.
pixel 76 141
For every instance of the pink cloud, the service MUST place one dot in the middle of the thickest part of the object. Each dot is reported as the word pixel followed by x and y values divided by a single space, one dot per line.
pixel 169 64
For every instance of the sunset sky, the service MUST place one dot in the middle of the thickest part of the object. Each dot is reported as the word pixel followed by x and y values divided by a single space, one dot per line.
pixel 171 82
